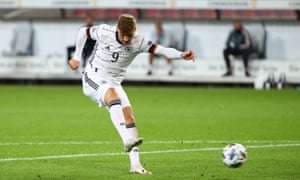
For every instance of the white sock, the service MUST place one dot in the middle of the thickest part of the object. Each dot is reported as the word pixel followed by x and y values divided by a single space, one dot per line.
pixel 117 117
pixel 134 154
pixel 134 157
pixel 132 130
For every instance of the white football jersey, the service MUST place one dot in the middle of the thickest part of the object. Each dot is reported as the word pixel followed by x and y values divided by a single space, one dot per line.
pixel 113 58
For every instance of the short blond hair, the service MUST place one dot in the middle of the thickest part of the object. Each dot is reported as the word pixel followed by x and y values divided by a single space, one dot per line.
pixel 126 23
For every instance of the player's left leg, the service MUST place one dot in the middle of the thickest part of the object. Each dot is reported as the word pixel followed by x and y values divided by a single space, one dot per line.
pixel 150 68
pixel 170 66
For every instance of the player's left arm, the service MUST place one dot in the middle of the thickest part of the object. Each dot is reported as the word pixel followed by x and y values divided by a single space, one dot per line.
pixel 172 53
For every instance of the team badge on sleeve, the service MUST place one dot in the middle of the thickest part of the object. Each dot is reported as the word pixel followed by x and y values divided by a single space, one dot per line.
pixel 128 49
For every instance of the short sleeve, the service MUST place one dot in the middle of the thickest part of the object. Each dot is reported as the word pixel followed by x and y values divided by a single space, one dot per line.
pixel 94 32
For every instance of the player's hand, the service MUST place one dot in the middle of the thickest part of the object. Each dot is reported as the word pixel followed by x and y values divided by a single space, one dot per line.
pixel 188 55
pixel 74 64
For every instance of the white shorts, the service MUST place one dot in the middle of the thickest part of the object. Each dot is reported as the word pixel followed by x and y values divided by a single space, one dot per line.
pixel 96 87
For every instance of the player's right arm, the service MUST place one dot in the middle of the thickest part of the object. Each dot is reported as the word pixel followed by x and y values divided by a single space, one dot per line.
pixel 172 53
pixel 80 41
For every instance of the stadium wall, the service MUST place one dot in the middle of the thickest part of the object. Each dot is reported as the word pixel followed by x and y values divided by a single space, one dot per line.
pixel 207 39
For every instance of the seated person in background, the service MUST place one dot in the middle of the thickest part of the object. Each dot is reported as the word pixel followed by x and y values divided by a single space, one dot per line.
pixel 88 46
pixel 160 36
pixel 23 39
pixel 238 43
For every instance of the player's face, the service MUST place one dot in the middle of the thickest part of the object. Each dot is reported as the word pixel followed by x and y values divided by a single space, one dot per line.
pixel 89 21
pixel 125 38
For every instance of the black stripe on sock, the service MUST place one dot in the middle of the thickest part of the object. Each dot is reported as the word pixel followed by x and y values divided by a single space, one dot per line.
pixel 122 124
pixel 130 125
pixel 114 102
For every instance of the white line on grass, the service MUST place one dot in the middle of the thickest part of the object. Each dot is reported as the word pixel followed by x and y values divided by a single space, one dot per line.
pixel 148 142
pixel 145 152
pixel 58 143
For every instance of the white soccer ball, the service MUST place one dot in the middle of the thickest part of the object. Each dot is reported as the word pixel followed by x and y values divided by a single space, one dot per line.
pixel 234 155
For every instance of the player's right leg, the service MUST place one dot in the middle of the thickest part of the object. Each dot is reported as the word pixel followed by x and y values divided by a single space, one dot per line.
pixel 113 99
pixel 246 53
pixel 128 135
pixel 134 155
pixel 105 94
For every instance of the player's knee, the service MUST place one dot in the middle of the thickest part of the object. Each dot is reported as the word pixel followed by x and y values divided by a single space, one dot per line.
pixel 111 95
pixel 114 103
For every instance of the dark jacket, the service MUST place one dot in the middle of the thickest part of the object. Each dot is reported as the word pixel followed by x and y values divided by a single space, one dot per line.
pixel 239 39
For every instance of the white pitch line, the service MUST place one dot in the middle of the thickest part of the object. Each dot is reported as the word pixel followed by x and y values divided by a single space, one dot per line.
pixel 144 152
pixel 148 142
pixel 58 143
pixel 219 141
pixel 272 145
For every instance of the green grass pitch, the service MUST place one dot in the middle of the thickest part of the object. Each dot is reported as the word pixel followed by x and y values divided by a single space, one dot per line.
pixel 55 132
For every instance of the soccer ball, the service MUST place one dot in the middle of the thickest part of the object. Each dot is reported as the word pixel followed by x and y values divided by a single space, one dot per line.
pixel 234 155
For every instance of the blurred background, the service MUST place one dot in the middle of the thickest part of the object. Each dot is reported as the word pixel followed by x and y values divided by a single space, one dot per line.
pixel 37 39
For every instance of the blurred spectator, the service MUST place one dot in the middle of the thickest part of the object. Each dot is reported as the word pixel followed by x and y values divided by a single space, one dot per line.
pixel 162 37
pixel 88 46
pixel 238 43
pixel 22 43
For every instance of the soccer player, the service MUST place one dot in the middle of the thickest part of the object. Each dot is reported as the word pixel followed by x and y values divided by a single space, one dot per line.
pixel 116 48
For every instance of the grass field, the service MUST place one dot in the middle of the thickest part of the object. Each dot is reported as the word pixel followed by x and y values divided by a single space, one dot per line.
pixel 55 132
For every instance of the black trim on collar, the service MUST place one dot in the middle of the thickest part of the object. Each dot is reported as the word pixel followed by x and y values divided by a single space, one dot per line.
pixel 87 30
pixel 118 38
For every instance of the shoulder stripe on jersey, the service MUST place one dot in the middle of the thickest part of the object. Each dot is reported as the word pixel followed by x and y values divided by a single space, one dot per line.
pixel 141 43
pixel 108 29
pixel 97 32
